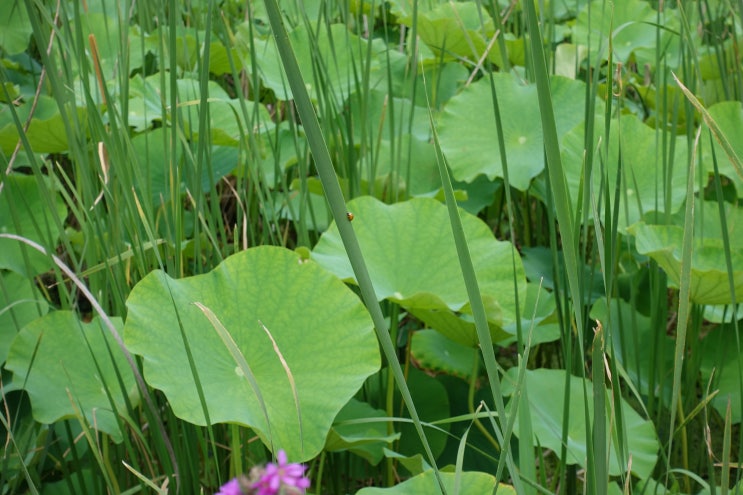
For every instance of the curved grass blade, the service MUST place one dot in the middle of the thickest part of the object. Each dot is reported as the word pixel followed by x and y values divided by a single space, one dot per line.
pixel 237 355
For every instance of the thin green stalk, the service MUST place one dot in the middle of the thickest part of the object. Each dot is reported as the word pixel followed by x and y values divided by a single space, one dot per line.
pixel 337 206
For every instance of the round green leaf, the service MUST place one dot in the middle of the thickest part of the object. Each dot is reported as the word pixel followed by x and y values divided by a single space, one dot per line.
pixel 275 307
pixel 638 347
pixel 471 483
pixel 469 136
pixel 28 212
pixel 709 276
pixel 546 392
pixel 46 132
pixel 642 169
pixel 625 27
pixel 409 250
pixel 20 303
pixel 361 429
pixel 720 363
pixel 729 117
pixel 435 353
pixel 15 29
pixel 348 52
pixel 66 365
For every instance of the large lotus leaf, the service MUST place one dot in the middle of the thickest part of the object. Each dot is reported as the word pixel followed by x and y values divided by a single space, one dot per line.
pixel 470 483
pixel 720 362
pixel 638 347
pixel 709 277
pixel 67 365
pixel 277 309
pixel 349 54
pixel 20 303
pixel 26 211
pixel 46 131
pixel 546 392
pixel 469 136
pixel 642 187
pixel 729 118
pixel 409 250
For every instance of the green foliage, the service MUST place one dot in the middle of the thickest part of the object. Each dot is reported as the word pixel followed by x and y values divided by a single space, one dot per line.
pixel 225 179
pixel 299 329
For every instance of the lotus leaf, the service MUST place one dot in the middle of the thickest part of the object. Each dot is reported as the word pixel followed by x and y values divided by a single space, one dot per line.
pixel 286 316
pixel 361 429
pixel 721 363
pixel 409 249
pixel 470 483
pixel 642 168
pixel 349 53
pixel 33 212
pixel 156 166
pixel 709 276
pixel 15 29
pixel 436 354
pixel 545 391
pixel 46 130
pixel 21 303
pixel 729 118
pixel 637 346
pixel 190 44
pixel 468 132
pixel 629 25
pixel 67 365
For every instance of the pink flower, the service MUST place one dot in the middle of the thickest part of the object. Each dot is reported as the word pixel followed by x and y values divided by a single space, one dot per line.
pixel 232 487
pixel 281 475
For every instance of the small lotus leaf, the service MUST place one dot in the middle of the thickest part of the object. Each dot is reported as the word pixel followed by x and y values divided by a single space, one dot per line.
pixel 729 118
pixel 67 365
pixel 46 130
pixel 20 303
pixel 721 364
pixel 15 29
pixel 709 276
pixel 546 393
pixel 361 429
pixel 409 250
pixel 458 30
pixel 435 353
pixel 637 346
pixel 349 53
pixel 470 483
pixel 469 136
pixel 274 306
pixel 629 25
pixel 157 168
pixel 28 212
